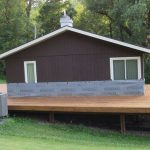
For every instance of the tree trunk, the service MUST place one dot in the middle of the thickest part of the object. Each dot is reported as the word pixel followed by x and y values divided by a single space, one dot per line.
pixel 121 34
pixel 110 29
pixel 28 8
pixel 148 19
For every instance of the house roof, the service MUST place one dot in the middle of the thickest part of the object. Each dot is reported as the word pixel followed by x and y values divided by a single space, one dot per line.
pixel 67 28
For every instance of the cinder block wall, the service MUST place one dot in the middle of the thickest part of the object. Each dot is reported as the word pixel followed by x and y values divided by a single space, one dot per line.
pixel 90 88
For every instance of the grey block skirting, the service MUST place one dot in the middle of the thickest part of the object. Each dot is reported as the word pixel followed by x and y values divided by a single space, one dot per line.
pixel 3 105
pixel 89 88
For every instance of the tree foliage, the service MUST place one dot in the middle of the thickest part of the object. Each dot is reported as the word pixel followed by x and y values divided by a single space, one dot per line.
pixel 50 14
pixel 127 19
pixel 14 24
pixel 91 22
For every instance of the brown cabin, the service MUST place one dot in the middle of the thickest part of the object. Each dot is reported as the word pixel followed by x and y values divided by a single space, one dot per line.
pixel 69 61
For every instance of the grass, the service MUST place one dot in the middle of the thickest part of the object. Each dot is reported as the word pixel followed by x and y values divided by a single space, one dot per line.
pixel 2 81
pixel 22 134
pixel 2 78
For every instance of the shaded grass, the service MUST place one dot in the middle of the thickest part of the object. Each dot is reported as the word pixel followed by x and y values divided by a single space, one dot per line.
pixel 2 81
pixel 30 134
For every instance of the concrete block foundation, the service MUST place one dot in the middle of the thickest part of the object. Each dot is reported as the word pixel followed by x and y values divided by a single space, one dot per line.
pixel 83 88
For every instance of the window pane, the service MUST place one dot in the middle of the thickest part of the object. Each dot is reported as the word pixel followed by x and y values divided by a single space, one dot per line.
pixel 30 73
pixel 132 69
pixel 119 69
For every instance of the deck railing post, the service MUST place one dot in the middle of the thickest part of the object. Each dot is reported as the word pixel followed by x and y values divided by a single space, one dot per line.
pixel 51 117
pixel 122 123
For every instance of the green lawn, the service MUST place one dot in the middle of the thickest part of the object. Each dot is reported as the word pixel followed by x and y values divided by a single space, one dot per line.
pixel 2 81
pixel 25 134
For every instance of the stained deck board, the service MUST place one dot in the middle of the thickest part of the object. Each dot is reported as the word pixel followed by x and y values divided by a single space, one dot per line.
pixel 95 104
pixel 79 104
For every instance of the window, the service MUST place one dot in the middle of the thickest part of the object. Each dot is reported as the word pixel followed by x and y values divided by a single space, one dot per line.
pixel 125 68
pixel 30 72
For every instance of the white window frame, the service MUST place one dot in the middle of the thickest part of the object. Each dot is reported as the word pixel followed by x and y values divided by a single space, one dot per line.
pixel 125 58
pixel 25 70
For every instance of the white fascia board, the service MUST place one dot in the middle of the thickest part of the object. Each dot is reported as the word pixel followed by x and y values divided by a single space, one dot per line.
pixel 66 28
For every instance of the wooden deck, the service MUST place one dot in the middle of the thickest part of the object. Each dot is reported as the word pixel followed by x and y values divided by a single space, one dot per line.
pixel 92 104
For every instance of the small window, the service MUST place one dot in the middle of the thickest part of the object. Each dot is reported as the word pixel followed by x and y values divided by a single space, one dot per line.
pixel 30 72
pixel 125 68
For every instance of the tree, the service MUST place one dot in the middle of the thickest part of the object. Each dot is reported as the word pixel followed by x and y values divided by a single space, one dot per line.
pixel 90 21
pixel 49 15
pixel 32 4
pixel 127 19
pixel 102 8
pixel 14 24
pixel 130 21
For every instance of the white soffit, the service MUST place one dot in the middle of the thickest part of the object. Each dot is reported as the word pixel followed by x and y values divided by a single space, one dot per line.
pixel 66 28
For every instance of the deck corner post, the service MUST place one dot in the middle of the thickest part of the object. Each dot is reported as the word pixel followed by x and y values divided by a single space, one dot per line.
pixel 51 118
pixel 122 123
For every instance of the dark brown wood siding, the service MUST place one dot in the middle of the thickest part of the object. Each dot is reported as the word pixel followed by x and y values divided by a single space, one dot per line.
pixel 68 57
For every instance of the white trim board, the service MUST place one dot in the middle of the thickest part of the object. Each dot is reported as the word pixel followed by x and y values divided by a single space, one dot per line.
pixel 25 70
pixel 67 28
pixel 125 58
